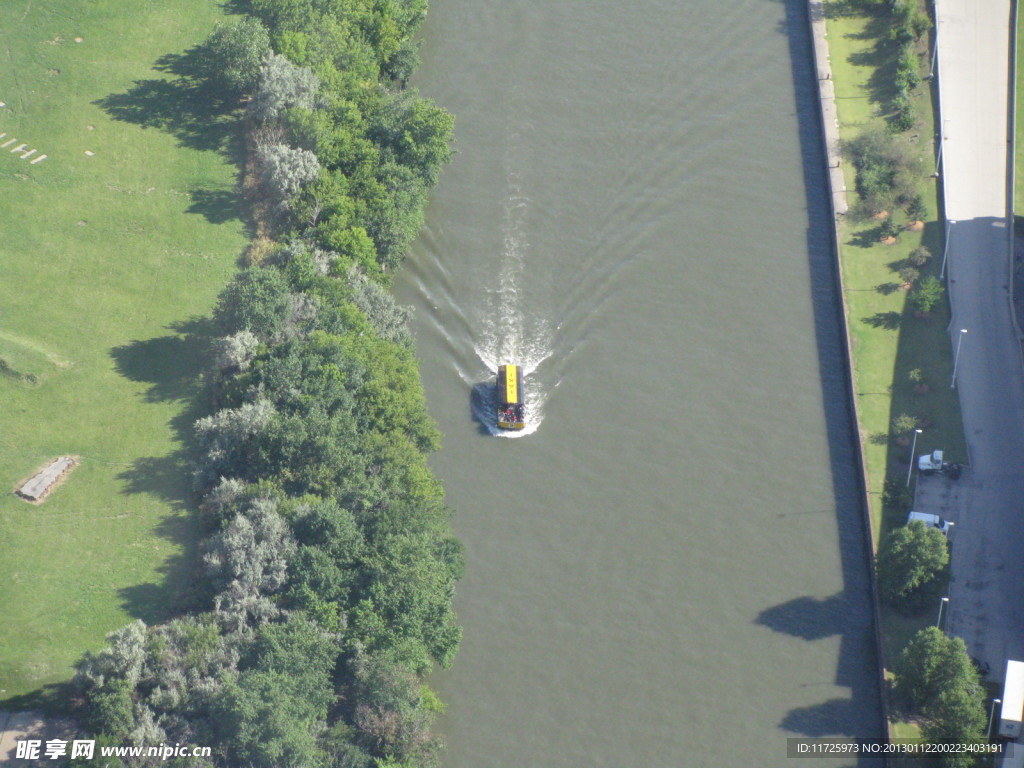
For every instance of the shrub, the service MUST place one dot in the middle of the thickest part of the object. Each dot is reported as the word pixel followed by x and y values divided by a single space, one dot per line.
pixel 897 497
pixel 908 21
pixel 907 75
pixel 904 116
pixel 928 294
pixel 904 424
pixel 917 210
pixel 909 275
pixel 919 256
pixel 887 173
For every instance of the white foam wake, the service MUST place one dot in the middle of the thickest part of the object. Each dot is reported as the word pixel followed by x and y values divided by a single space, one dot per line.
pixel 508 334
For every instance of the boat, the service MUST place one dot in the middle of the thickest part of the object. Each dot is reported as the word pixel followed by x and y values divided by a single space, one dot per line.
pixel 509 395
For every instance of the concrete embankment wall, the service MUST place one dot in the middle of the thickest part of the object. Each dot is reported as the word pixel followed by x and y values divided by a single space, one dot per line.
pixel 839 205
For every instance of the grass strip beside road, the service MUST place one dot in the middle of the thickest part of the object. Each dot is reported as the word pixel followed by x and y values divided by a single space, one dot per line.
pixel 112 246
pixel 889 341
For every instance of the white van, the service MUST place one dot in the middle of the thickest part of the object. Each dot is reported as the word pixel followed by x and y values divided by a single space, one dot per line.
pixel 932 521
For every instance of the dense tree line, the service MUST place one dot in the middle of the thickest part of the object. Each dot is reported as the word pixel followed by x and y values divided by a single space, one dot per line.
pixel 328 562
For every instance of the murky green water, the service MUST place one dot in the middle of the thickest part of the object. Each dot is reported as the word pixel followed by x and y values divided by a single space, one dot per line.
pixel 669 570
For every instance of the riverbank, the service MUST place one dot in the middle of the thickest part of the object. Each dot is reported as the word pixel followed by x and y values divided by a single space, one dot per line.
pixel 898 360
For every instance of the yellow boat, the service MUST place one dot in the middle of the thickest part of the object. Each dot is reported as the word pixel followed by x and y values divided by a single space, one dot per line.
pixel 511 408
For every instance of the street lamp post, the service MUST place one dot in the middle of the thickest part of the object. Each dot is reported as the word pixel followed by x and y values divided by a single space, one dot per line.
pixel 956 357
pixel 938 159
pixel 942 604
pixel 913 447
pixel 945 248
pixel 991 717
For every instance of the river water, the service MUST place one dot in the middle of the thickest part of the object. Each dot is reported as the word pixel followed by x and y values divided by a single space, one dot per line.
pixel 668 568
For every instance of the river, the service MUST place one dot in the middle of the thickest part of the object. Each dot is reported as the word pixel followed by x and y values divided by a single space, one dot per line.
pixel 668 567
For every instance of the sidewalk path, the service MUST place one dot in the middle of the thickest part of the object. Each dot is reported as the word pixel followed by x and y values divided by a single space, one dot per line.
pixel 986 604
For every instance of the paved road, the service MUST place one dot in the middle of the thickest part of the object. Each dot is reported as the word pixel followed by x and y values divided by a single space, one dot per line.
pixel 987 597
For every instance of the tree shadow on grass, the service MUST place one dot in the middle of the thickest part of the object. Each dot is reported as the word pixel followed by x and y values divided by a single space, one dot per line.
pixel 217 205
pixel 890 321
pixel 179 107
pixel 881 57
pixel 866 238
pixel 53 699
pixel 189 107
pixel 837 9
pixel 181 588
pixel 172 365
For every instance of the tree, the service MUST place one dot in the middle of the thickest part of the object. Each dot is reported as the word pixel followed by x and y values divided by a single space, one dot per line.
pixel 234 53
pixel 111 710
pixel 234 353
pixel 258 300
pixel 270 719
pixel 393 714
pixel 931 663
pixel 286 171
pixel 282 85
pixel 910 558
pixel 248 562
pixel 388 318
pixel 224 435
pixel 419 131
pixel 393 210
pixel 956 716
pixel 928 294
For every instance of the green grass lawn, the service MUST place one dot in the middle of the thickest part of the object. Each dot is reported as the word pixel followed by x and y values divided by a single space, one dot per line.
pixel 114 247
pixel 889 341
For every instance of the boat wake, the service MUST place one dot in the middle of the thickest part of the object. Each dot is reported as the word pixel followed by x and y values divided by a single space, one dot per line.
pixel 510 334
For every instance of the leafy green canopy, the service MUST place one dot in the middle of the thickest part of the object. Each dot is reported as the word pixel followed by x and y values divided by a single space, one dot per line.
pixel 329 563
pixel 910 559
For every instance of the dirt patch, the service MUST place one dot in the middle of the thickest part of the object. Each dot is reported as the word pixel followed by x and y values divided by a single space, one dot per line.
pixel 25 726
